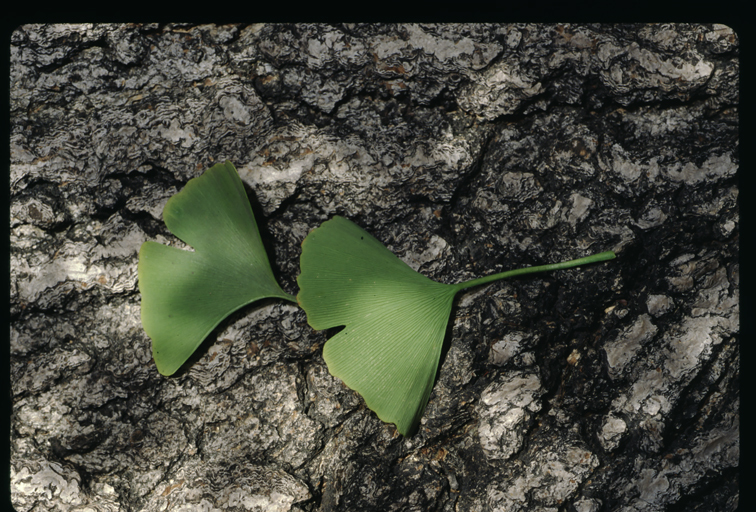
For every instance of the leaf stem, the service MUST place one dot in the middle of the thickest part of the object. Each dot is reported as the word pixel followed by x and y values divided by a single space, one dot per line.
pixel 602 256
pixel 289 297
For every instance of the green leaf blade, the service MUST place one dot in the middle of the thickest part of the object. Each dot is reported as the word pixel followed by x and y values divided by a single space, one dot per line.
pixel 395 319
pixel 185 294
pixel 393 367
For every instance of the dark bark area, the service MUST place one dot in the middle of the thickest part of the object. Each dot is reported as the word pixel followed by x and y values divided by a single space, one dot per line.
pixel 466 149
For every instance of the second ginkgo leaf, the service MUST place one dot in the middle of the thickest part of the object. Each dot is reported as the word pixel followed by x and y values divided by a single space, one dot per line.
pixel 186 294
pixel 394 318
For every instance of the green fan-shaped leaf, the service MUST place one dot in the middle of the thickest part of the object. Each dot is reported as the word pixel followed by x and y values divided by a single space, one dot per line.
pixel 186 294
pixel 394 318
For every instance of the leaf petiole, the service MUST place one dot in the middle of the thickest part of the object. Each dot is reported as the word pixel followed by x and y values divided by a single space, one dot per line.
pixel 602 256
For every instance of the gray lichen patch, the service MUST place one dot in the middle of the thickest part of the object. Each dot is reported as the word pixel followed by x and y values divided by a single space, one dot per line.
pixel 621 351
pixel 682 351
pixel 499 90
pixel 228 484
pixel 611 432
pixel 507 410
pixel 546 481
pixel 658 304
pixel 513 344
pixel 91 256
pixel 51 485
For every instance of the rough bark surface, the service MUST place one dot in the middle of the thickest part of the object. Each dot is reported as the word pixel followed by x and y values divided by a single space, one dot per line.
pixel 467 149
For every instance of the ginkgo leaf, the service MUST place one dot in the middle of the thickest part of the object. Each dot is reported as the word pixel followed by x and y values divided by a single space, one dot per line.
pixel 186 294
pixel 394 318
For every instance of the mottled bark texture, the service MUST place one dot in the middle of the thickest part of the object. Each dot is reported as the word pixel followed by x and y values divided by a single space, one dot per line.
pixel 467 149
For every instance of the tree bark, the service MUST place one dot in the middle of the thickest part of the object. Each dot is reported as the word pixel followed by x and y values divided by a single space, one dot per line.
pixel 467 149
